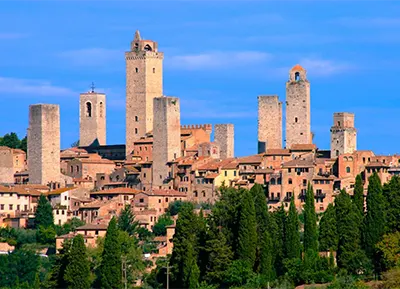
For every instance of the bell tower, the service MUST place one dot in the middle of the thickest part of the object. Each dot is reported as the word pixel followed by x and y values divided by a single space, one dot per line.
pixel 144 77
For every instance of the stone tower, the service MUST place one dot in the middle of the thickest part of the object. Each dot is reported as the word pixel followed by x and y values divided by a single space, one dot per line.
pixel 224 137
pixel 343 134
pixel 166 137
pixel 144 76
pixel 44 144
pixel 269 123
pixel 92 118
pixel 298 114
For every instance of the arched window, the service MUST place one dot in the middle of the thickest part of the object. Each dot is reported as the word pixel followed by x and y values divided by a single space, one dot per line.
pixel 350 159
pixel 272 181
pixel 338 123
pixel 136 118
pixel 195 194
pixel 101 109
pixel 77 169
pixel 136 46
pixel 102 178
pixel 290 181
pixel 204 193
pixel 136 130
pixel 348 170
pixel 88 109
pixel 154 70
pixel 148 48
pixel 297 76
pixel 345 159
pixel 279 181
pixel 137 70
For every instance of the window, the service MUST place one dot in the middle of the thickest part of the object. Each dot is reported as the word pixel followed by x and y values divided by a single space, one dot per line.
pixel 136 131
pixel 234 173
pixel 290 181
pixel 297 76
pixel 1 207
pixel 71 169
pixel 65 198
pixel 289 170
pixel 62 212
pixel 226 173
pixel 154 70
pixel 136 118
pixel 101 109
pixel 338 123
pixel 18 206
pixel 279 181
pixel 272 181
pixel 195 194
pixel 141 200
pixel 26 207
pixel 166 200
pixel 159 200
pixel 304 182
pixel 348 170
pixel 147 48
pixel 137 70
pixel 88 109
pixel 204 193
pixel 337 153
pixel 77 169
pixel 144 175
pixel 295 119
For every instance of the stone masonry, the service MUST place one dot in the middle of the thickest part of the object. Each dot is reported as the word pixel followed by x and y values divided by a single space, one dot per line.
pixel 224 136
pixel 6 165
pixel 269 123
pixel 44 144
pixel 166 137
pixel 343 134
pixel 92 116
pixel 144 76
pixel 298 114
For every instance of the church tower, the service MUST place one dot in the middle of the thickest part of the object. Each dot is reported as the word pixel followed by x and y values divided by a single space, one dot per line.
pixel 298 114
pixel 92 118
pixel 144 76
pixel 343 134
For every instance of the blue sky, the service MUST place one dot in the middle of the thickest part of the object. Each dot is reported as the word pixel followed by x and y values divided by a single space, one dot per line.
pixel 219 56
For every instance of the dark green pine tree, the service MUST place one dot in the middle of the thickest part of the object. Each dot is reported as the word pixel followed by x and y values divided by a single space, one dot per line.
pixel 358 197
pixel 267 257
pixel 24 144
pixel 10 140
pixel 56 277
pixel 247 237
pixel 391 191
pixel 277 228
pixel 184 255
pixel 374 222
pixel 328 237
pixel 77 273
pixel 126 220
pixel 310 222
pixel 292 234
pixel 44 213
pixel 110 268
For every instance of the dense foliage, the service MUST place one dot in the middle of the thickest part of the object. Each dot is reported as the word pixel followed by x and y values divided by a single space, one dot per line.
pixel 12 140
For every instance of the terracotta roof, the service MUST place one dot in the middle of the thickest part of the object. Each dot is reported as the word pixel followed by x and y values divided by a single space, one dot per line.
pixel 278 152
pixel 376 164
pixel 166 193
pixel 299 163
pixel 215 164
pixel 318 177
pixel 148 212
pixel 97 204
pixel 18 151
pixel 323 160
pixel 125 191
pixel 303 147
pixel 92 227
pixel 59 191
pixel 231 165
pixel 211 175
pixel 192 148
pixel 297 67
pixel 96 161
pixel 250 159
pixel 32 186
pixel 144 141
pixel 19 191
pixel 72 235
pixel 160 239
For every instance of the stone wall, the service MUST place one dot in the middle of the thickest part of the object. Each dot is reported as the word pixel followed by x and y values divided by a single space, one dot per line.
pixel 6 165
pixel 166 137
pixel 298 114
pixel 224 137
pixel 44 144
pixel 343 134
pixel 92 120
pixel 269 123
pixel 144 76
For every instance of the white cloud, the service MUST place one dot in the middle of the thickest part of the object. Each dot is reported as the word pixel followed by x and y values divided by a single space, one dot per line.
pixel 217 60
pixel 323 67
pixel 92 56
pixel 32 87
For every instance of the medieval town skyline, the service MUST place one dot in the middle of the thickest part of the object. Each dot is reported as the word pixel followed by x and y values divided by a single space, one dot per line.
pixel 221 78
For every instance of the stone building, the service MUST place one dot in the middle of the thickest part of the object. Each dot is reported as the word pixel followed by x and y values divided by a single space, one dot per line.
pixel 298 114
pixel 12 161
pixel 224 137
pixel 166 137
pixel 144 76
pixel 269 123
pixel 343 134
pixel 92 118
pixel 44 144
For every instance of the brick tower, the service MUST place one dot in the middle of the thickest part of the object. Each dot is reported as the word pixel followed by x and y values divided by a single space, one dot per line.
pixel 92 118
pixel 298 114
pixel 343 134
pixel 269 123
pixel 44 144
pixel 166 137
pixel 144 74
pixel 224 136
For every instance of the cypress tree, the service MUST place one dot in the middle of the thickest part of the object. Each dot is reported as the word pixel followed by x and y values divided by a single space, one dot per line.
pixel 292 234
pixel 278 228
pixel 110 268
pixel 77 273
pixel 126 220
pixel 56 278
pixel 358 198
pixel 374 226
pixel 310 222
pixel 391 191
pixel 44 213
pixel 267 258
pixel 328 238
pixel 247 237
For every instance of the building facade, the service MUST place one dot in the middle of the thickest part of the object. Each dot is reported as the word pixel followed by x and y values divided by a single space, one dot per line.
pixel 269 123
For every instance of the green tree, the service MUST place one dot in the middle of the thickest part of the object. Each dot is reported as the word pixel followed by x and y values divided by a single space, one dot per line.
pixel 126 220
pixel 131 255
pixel 77 272
pixel 389 248
pixel 310 222
pixel 110 268
pixel 247 237
pixel 56 276
pixel 46 235
pixel 23 145
pixel 175 207
pixel 292 234
pixel 44 213
pixel 160 228
pixel 278 229
pixel 358 198
pixel 391 191
pixel 10 140
pixel 374 226
pixel 328 237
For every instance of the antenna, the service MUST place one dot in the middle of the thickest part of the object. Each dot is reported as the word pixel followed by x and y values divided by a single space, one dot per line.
pixel 92 88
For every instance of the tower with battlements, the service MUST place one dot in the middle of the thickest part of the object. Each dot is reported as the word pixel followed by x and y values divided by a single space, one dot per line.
pixel 44 144
pixel 343 134
pixel 144 76
pixel 269 123
pixel 166 138
pixel 92 118
pixel 298 111
pixel 224 137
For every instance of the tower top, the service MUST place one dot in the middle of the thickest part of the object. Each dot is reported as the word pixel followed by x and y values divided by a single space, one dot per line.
pixel 138 44
pixel 297 73
pixel 297 67
pixel 137 35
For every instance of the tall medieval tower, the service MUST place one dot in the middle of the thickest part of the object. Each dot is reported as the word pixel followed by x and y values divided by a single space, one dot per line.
pixel 269 123
pixel 92 118
pixel 144 75
pixel 44 144
pixel 298 114
pixel 224 136
pixel 343 134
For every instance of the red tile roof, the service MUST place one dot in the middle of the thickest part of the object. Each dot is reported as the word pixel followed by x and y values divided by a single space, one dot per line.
pixel 164 193
pixel 299 163
pixel 277 152
pixel 116 191
pixel 303 147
